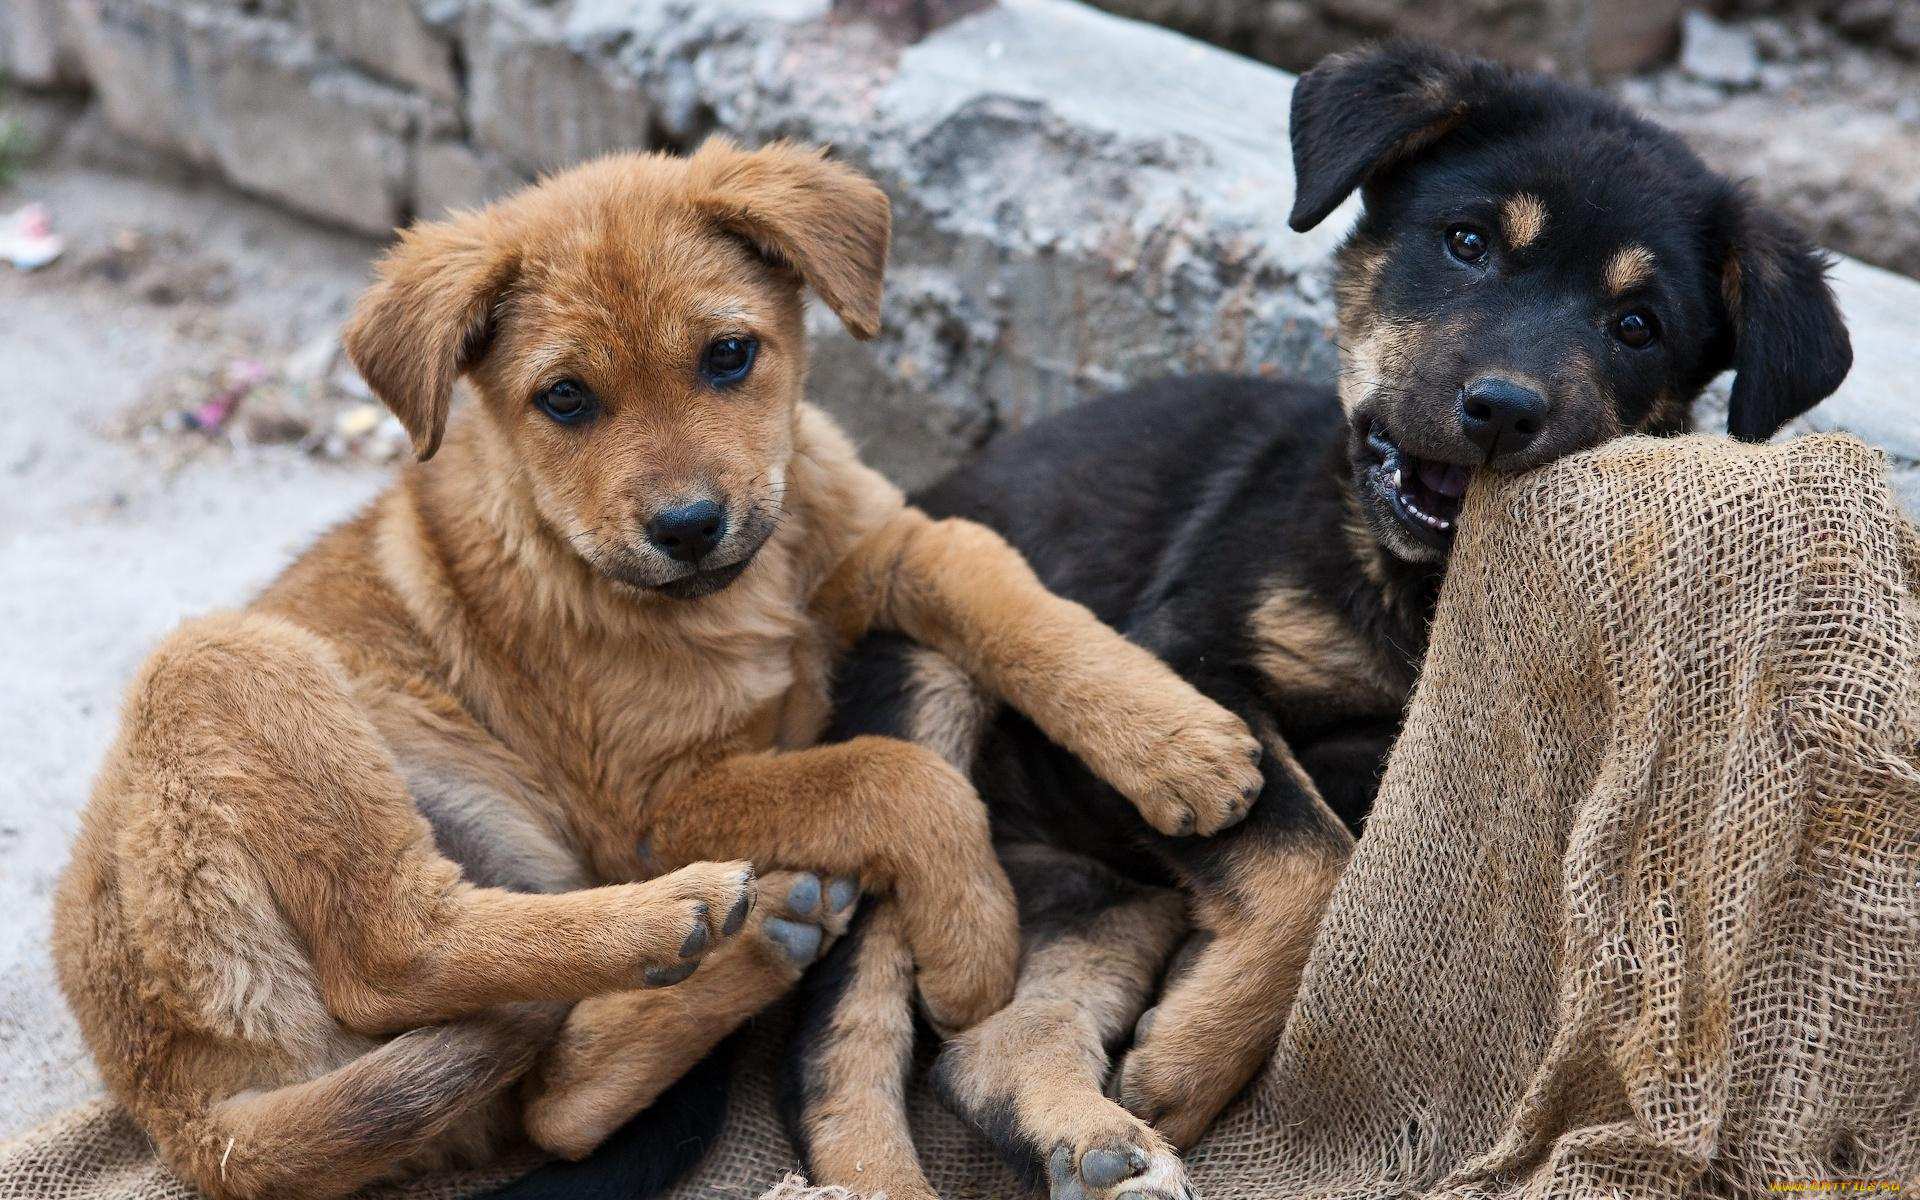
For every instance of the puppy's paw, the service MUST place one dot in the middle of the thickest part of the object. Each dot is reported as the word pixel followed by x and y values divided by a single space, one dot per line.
pixel 1188 765
pixel 800 916
pixel 967 951
pixel 1128 1162
pixel 685 914
pixel 1175 1080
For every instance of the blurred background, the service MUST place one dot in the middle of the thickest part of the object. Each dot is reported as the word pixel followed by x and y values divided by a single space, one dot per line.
pixel 191 192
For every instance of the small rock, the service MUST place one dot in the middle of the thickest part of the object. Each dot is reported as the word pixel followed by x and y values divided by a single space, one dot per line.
pixel 357 421
pixel 1711 52
pixel 271 418
pixel 1684 94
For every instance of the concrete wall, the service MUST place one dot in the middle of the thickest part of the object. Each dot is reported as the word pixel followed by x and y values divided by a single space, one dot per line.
pixel 1080 200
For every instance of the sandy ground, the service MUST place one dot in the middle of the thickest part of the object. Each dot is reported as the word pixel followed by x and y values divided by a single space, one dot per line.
pixel 106 539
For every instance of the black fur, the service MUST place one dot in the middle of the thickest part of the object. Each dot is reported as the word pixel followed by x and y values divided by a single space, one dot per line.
pixel 1433 140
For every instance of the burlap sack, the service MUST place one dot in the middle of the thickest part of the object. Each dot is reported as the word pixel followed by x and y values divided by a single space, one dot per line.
pixel 1638 912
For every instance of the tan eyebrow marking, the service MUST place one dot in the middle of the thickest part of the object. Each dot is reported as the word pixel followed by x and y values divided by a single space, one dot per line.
pixel 1630 267
pixel 730 313
pixel 1524 218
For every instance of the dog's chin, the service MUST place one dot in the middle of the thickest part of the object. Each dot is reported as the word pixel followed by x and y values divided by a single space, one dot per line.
pixel 703 583
pixel 1412 503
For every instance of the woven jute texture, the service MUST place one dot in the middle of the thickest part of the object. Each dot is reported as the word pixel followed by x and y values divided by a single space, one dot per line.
pixel 1637 913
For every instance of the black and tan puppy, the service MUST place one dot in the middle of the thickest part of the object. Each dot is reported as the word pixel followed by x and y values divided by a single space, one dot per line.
pixel 1535 271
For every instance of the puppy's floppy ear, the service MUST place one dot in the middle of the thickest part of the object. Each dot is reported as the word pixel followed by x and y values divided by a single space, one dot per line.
pixel 1790 343
pixel 1356 113
pixel 427 319
pixel 796 206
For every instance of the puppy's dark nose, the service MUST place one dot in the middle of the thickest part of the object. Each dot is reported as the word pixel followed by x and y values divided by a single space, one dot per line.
pixel 689 532
pixel 1500 416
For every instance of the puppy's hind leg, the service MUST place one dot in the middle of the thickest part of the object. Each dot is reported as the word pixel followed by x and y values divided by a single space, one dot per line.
pixel 1030 1076
pixel 844 1091
pixel 329 1136
pixel 1258 893
pixel 844 1095
pixel 270 761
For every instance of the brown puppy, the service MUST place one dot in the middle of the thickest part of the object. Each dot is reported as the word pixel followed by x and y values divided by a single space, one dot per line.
pixel 360 846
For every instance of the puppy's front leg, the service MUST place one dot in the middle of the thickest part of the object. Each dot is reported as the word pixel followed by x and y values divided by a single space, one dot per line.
pixel 894 815
pixel 1189 765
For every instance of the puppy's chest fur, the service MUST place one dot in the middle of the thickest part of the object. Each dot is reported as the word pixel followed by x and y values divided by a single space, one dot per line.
pixel 536 724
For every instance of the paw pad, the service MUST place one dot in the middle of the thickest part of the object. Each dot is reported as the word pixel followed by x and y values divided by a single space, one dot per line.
pixel 841 894
pixel 804 895
pixel 1142 1174
pixel 697 937
pixel 801 942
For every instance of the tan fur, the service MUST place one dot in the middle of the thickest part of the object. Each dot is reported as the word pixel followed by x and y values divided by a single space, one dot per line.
pixel 950 711
pixel 1044 1057
pixel 259 910
pixel 1306 650
pixel 1219 1020
pixel 856 1118
pixel 1733 282
pixel 1523 219
pixel 618 1051
pixel 1355 282
pixel 1376 353
pixel 1628 268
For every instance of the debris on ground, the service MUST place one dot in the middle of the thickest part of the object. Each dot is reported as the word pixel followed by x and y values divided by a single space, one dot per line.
pixel 27 239
pixel 243 374
pixel 159 268
pixel 311 399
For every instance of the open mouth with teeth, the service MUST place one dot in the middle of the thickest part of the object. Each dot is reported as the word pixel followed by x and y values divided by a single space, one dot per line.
pixel 1423 494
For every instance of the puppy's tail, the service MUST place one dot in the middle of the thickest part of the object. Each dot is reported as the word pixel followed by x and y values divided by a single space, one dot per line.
pixel 648 1154
pixel 329 1136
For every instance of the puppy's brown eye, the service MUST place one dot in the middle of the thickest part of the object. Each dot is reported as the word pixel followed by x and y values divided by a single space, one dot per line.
pixel 1466 243
pixel 727 361
pixel 1637 329
pixel 568 402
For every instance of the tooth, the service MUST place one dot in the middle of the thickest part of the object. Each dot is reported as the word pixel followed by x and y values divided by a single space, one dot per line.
pixel 1396 480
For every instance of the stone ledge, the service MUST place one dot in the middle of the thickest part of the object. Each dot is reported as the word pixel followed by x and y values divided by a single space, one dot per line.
pixel 1081 200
